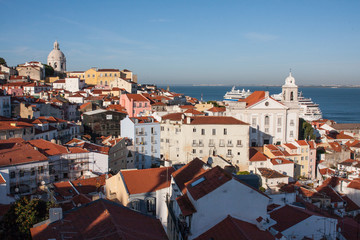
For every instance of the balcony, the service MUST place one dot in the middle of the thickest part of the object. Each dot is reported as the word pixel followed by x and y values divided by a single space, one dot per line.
pixel 201 144
pixel 230 145
pixel 141 133
pixel 195 144
pixel 221 144
pixel 229 155
pixel 212 144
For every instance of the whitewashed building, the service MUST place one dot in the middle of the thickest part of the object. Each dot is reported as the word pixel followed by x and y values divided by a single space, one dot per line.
pixel 185 137
pixel 145 134
pixel 270 121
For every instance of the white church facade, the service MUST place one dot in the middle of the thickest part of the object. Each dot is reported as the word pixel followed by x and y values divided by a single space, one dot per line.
pixel 271 121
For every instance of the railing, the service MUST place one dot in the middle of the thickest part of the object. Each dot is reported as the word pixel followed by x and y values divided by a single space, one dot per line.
pixel 221 144
pixel 195 144
pixel 201 144
pixel 230 145
pixel 211 144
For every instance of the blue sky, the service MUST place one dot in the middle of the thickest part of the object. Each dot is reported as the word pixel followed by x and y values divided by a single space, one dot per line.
pixel 186 42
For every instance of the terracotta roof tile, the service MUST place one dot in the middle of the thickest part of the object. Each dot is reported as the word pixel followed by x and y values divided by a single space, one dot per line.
pixel 147 180
pixel 48 148
pixel 2 180
pixel 255 155
pixel 173 116
pixel 207 182
pixel 288 216
pixel 101 219
pixel 186 207
pixel 216 109
pixel 137 97
pixel 232 228
pixel 188 172
pixel 269 173
pixel 199 120
pixel 255 97
pixel 16 151
pixel 355 184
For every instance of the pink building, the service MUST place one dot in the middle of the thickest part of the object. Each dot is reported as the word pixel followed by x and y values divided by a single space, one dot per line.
pixel 135 104
pixel 14 89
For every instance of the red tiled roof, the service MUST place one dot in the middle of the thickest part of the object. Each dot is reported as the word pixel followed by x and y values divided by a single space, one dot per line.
pixel 269 173
pixel 101 219
pixel 77 150
pixel 90 185
pixel 13 124
pixel 48 148
pixel 199 120
pixel 355 184
pixel 278 161
pixel 216 109
pixel 93 147
pixel 256 156
pixel 209 181
pixel 144 119
pixel 272 147
pixel 187 107
pixel 194 112
pixel 85 105
pixel 326 171
pixel 330 192
pixel 147 180
pixel 335 146
pixel 302 143
pixel 255 97
pixel 288 216
pixel 117 108
pixel 188 172
pixel 186 207
pixel 173 116
pixel 232 228
pixel 16 151
pixel 290 145
pixel 137 98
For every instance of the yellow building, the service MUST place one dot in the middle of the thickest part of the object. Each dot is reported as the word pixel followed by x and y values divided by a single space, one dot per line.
pixel 79 74
pixel 100 77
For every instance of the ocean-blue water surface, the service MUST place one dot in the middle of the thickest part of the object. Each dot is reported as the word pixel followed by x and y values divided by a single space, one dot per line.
pixel 339 104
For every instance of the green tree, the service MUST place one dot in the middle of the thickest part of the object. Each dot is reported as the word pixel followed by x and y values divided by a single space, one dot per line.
pixel 306 131
pixel 22 215
pixel 49 70
pixel 2 61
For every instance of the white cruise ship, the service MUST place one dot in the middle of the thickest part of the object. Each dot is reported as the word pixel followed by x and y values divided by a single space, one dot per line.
pixel 309 110
pixel 236 94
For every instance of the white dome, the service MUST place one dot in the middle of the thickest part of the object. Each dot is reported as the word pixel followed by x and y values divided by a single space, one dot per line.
pixel 290 80
pixel 56 58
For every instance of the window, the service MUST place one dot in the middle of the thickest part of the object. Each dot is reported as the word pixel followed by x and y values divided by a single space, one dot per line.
pixel 225 131
pixel 145 104
pixel 253 122
pixel 291 122
pixel 201 143
pixel 211 143
pixel 229 143
pixel 194 129
pixel 150 204
pixel 110 74
pixel 229 153
pixel 93 75
pixel 135 204
pixel 105 74
pixel 279 130
pixel 202 131
pixel 267 120
pixel 214 132
pixel 279 122
pixel 222 143
pixel 194 151
pixel 32 171
pixel 167 140
pixel 162 128
pixel 291 133
pixel 238 142
pixel 12 174
pixel 106 83
pixel 140 104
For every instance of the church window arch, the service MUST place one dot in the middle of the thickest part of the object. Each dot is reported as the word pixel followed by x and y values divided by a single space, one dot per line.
pixel 291 96
pixel 267 120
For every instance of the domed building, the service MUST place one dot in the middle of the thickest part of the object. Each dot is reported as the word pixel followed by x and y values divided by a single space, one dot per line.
pixel 56 59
